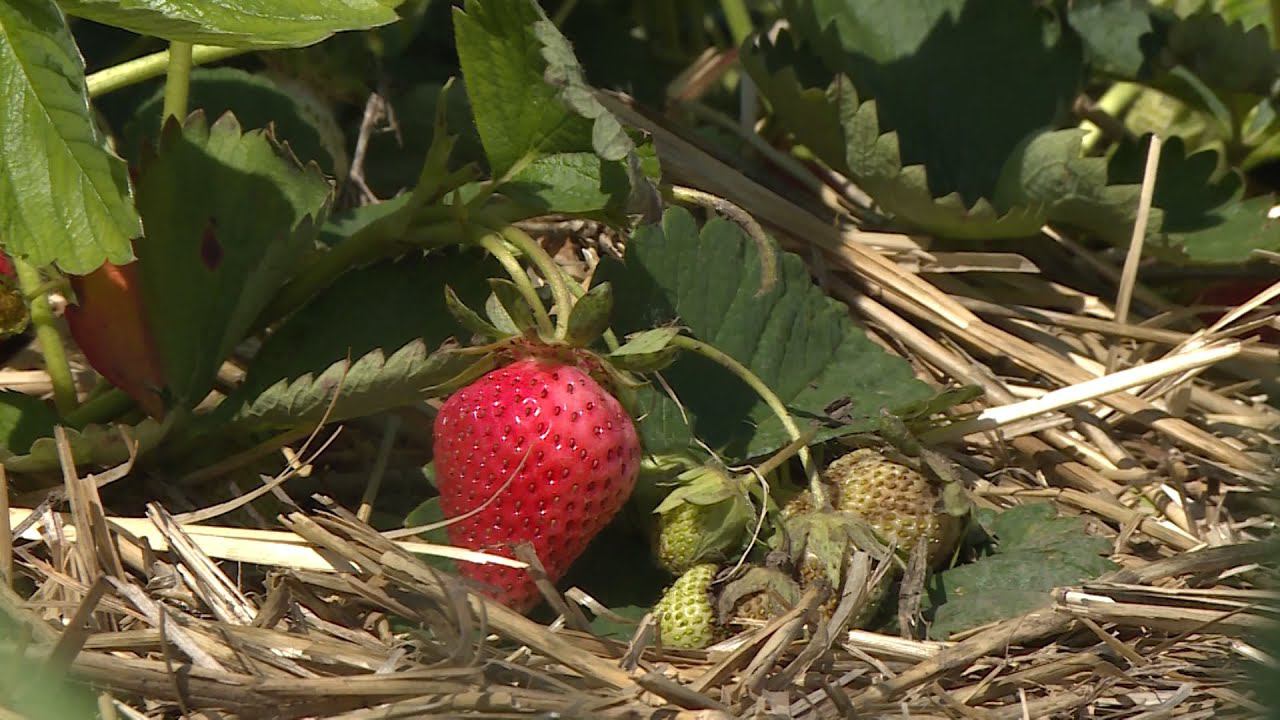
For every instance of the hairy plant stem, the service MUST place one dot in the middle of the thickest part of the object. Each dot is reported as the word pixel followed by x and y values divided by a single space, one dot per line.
pixel 177 83
pixel 771 399
pixel 151 66
pixel 493 243
pixel 550 271
pixel 55 353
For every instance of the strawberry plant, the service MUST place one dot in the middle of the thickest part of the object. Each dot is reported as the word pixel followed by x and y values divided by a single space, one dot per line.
pixel 578 349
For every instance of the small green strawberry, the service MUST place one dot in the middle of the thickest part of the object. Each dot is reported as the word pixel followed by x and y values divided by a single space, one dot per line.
pixel 898 502
pixel 704 519
pixel 686 618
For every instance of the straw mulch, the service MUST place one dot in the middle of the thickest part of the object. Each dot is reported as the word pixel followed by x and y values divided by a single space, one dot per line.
pixel 323 617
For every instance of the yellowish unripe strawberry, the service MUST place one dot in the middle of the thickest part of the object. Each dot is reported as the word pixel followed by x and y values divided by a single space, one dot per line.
pixel 899 503
pixel 686 616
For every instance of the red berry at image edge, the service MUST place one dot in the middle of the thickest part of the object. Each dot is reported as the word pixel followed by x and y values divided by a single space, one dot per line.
pixel 570 450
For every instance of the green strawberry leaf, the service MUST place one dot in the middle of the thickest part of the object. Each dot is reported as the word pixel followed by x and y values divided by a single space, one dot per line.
pixel 1223 54
pixel 1206 219
pixel 244 23
pixel 801 343
pixel 892 49
pixel 519 116
pixel 95 445
pixel 389 348
pixel 228 220
pixel 64 196
pixel 977 175
pixel 394 161
pixel 570 182
pixel 1036 552
pixel 548 140
pixel 1113 33
pixel 23 420
pixel 615 629
pixel 301 119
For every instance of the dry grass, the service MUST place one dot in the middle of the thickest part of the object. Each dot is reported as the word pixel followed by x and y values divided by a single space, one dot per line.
pixel 323 617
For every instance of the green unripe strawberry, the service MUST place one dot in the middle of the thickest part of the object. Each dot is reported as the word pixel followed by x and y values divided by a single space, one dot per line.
pixel 685 613
pixel 899 503
pixel 707 518
pixel 678 534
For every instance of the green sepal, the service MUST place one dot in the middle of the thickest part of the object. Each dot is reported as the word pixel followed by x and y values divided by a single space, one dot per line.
pixel 507 309
pixel 757 580
pixel 468 318
pixel 647 351
pixel 589 317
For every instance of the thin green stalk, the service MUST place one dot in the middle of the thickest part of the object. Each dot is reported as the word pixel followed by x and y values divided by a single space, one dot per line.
pixel 55 354
pixel 770 398
pixel 152 66
pixel 102 408
pixel 177 84
pixel 739 20
pixel 492 242
pixel 550 272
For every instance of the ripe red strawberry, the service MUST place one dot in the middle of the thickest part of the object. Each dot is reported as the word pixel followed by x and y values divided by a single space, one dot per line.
pixel 573 451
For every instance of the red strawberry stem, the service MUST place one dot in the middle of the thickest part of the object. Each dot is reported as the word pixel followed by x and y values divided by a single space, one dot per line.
pixel 55 354
pixel 493 243
pixel 770 398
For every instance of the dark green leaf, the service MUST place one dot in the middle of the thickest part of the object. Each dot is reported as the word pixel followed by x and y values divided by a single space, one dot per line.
pixel 366 385
pixel 96 445
pixel 796 339
pixel 64 197
pixel 589 317
pixel 238 23
pixel 23 419
pixel 553 145
pixel 893 50
pixel 570 183
pixel 301 119
pixel 607 627
pixel 608 139
pixel 1114 33
pixel 228 219
pixel 1205 218
pixel 519 116
pixel 1036 552
pixel 381 308
pixel 468 318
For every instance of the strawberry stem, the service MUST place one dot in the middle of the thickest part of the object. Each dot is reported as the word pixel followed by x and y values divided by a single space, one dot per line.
pixel 177 84
pixel 492 242
pixel 55 353
pixel 550 272
pixel 150 66
pixel 770 398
